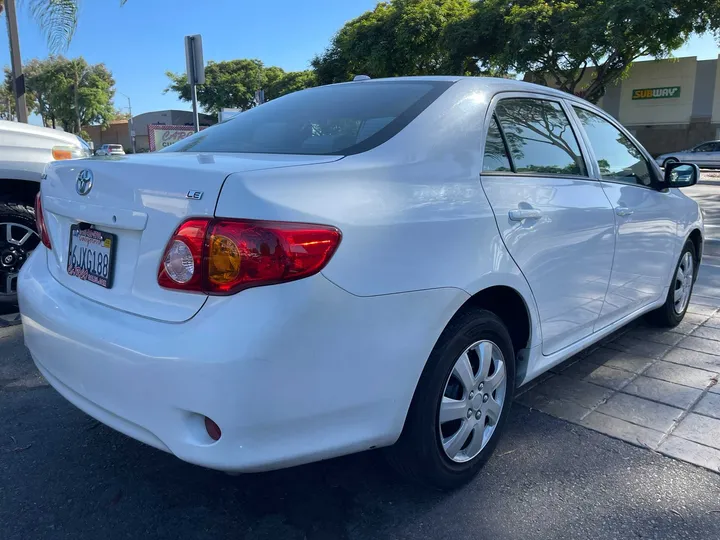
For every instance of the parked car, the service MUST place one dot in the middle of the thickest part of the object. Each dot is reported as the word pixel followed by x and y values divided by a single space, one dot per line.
pixel 110 150
pixel 370 264
pixel 705 155
pixel 24 152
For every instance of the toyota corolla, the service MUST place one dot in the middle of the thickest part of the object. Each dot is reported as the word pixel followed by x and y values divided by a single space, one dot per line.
pixel 373 264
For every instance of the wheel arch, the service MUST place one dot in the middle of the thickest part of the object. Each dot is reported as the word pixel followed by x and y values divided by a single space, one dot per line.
pixel 696 238
pixel 18 191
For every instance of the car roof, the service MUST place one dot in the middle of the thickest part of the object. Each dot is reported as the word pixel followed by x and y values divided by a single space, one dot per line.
pixel 40 131
pixel 490 84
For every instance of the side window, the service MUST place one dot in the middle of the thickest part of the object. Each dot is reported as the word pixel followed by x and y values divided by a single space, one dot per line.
pixel 617 157
pixel 539 137
pixel 496 158
pixel 707 147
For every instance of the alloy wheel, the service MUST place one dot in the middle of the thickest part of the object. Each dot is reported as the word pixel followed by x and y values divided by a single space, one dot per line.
pixel 683 282
pixel 472 401
pixel 16 243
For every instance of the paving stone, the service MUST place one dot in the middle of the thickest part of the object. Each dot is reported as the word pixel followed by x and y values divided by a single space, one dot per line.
pixel 701 429
pixel 712 301
pixel 601 375
pixel 697 378
pixel 620 360
pixel 639 347
pixel 707 332
pixel 579 392
pixel 709 346
pixel 691 452
pixel 713 322
pixel 669 393
pixel 709 406
pixel 560 408
pixel 700 360
pixel 658 336
pixel 620 429
pixel 701 309
pixel 689 323
pixel 641 411
pixel 566 364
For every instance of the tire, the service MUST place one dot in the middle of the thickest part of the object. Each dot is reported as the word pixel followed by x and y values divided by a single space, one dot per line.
pixel 14 249
pixel 670 160
pixel 669 316
pixel 420 453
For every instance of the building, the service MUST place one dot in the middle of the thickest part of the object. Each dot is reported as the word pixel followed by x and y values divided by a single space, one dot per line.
pixel 668 104
pixel 118 131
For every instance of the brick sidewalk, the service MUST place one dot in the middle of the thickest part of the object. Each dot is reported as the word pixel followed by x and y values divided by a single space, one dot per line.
pixel 652 388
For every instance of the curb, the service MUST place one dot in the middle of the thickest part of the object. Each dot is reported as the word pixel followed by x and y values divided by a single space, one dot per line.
pixel 11 319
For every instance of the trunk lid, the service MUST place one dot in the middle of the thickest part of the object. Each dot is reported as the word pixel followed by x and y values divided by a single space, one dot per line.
pixel 141 199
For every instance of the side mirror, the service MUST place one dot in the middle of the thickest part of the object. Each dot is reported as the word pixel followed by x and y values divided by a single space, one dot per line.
pixel 680 175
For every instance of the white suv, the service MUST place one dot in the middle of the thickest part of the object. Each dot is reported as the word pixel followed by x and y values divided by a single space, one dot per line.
pixel 24 152
pixel 110 150
pixel 371 264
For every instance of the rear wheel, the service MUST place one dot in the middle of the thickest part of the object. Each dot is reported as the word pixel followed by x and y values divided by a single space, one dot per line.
pixel 18 238
pixel 460 405
pixel 673 310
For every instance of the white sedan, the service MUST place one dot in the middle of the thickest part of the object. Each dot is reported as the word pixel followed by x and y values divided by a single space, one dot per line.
pixel 372 264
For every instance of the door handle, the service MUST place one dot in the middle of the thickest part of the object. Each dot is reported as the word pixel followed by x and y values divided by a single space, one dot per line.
pixel 524 213
pixel 623 211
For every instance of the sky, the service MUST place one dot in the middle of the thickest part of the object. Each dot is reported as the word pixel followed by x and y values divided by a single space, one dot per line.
pixel 143 39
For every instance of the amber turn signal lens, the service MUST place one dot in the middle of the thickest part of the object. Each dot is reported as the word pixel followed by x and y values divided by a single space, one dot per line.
pixel 223 260
pixel 60 153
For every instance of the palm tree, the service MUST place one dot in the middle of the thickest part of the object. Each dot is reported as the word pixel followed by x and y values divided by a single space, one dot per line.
pixel 57 19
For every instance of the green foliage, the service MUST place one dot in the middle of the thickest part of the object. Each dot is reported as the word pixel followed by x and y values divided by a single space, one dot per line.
pixel 70 92
pixel 233 84
pixel 580 46
pixel 57 20
pixel 400 37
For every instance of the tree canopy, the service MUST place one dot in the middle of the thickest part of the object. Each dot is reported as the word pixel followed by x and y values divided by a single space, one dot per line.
pixel 401 37
pixel 69 92
pixel 232 84
pixel 580 46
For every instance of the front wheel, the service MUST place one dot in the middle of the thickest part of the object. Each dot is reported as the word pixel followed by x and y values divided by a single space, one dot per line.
pixel 18 238
pixel 460 405
pixel 670 160
pixel 678 298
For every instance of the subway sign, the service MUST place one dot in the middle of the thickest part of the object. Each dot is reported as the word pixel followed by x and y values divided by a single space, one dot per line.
pixel 657 93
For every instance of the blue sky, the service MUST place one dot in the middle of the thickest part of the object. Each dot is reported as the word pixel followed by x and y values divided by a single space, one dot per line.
pixel 140 41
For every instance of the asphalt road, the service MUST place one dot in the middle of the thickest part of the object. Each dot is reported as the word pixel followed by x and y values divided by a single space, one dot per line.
pixel 64 476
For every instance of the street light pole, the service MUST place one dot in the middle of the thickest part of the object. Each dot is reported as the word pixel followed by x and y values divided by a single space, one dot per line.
pixel 130 122
pixel 15 63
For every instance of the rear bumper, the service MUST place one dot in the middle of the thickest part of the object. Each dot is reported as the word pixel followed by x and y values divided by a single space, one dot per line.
pixel 291 373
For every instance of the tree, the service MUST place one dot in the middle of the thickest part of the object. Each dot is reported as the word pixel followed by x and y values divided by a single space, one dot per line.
pixel 580 46
pixel 232 84
pixel 70 92
pixel 400 37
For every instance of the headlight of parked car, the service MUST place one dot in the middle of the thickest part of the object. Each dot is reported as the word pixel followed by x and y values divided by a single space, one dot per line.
pixel 70 152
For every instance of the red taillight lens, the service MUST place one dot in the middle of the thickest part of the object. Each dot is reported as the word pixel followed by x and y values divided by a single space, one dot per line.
pixel 237 254
pixel 40 222
pixel 181 265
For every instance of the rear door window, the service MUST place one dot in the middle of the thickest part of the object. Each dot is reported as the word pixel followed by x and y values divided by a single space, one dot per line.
pixel 539 137
pixel 496 158
pixel 338 119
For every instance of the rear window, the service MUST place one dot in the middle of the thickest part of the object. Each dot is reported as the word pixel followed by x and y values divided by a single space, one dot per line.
pixel 115 147
pixel 329 120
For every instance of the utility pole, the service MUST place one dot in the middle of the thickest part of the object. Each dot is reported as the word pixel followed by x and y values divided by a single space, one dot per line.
pixel 130 122
pixel 15 63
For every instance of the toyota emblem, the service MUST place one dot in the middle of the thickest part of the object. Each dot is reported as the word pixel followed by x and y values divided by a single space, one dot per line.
pixel 84 182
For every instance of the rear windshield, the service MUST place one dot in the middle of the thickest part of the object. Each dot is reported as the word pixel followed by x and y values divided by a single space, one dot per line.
pixel 340 119
pixel 115 147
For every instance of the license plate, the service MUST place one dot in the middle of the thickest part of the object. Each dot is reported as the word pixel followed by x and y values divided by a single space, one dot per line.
pixel 91 255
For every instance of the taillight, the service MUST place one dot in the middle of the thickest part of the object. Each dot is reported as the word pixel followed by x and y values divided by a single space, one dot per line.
pixel 224 256
pixel 40 222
